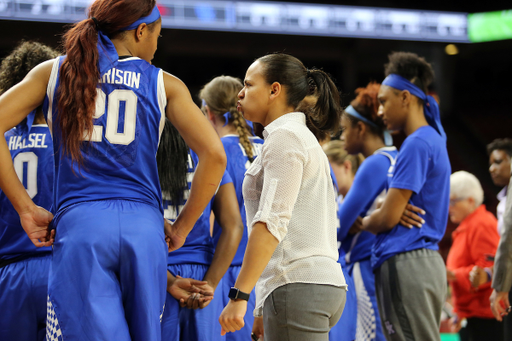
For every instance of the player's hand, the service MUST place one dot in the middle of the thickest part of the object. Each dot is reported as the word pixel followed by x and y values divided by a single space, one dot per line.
pixel 410 218
pixel 500 304
pixel 172 238
pixel 477 276
pixel 183 288
pixel 232 317
pixel 450 275
pixel 35 222
pixel 202 298
pixel 356 227
pixel 257 328
pixel 455 324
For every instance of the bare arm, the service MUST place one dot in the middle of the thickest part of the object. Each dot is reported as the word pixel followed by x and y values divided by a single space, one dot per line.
pixel 227 213
pixel 260 248
pixel 204 141
pixel 225 207
pixel 388 216
pixel 15 105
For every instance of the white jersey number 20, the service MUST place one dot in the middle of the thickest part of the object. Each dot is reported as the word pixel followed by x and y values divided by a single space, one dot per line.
pixel 113 111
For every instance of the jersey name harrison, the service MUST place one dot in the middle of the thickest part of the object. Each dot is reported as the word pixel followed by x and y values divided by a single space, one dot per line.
pixel 34 141
pixel 116 76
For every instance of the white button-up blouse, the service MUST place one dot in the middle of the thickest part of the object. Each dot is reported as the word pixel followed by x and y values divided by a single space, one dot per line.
pixel 289 188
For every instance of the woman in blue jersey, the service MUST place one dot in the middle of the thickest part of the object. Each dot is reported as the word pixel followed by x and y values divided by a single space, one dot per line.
pixel 344 168
pixel 106 106
pixel 364 132
pixel 198 259
pixel 220 98
pixel 23 266
pixel 410 276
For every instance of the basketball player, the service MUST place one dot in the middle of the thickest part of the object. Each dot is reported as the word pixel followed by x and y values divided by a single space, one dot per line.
pixel 410 276
pixel 220 98
pixel 24 267
pixel 106 106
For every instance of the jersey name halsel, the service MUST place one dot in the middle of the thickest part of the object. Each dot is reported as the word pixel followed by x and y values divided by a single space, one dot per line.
pixel 116 76
pixel 34 141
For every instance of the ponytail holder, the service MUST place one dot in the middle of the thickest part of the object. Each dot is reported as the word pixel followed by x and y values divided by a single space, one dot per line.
pixel 227 115
pixel 96 23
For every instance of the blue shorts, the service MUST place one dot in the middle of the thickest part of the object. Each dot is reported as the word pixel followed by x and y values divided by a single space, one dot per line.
pixel 23 290
pixel 107 277
pixel 185 324
pixel 228 281
pixel 345 329
pixel 368 320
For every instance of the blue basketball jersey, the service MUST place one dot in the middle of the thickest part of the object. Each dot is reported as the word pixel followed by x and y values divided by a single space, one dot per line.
pixel 369 184
pixel 237 164
pixel 32 156
pixel 198 247
pixel 119 162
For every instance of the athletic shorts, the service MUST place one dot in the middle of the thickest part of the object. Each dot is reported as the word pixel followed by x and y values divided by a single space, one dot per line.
pixel 369 327
pixel 23 290
pixel 107 277
pixel 185 324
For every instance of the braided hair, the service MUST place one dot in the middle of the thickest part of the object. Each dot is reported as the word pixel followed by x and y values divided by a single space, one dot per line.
pixel 221 96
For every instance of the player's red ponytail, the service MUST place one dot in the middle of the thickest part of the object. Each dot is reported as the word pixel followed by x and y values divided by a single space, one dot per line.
pixel 79 73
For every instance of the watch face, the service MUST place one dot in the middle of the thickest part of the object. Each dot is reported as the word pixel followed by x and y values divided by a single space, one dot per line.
pixel 232 293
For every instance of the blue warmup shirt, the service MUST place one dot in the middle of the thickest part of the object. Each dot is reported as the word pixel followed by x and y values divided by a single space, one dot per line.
pixel 32 157
pixel 120 161
pixel 198 247
pixel 370 181
pixel 424 168
pixel 237 164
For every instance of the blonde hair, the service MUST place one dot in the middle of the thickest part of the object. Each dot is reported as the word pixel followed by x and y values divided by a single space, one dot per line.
pixel 221 96
pixel 336 153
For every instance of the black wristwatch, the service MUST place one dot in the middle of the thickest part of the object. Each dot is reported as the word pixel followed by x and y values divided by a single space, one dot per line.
pixel 235 293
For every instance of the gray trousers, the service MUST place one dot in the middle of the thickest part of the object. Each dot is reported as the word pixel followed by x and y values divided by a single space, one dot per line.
pixel 302 312
pixel 411 290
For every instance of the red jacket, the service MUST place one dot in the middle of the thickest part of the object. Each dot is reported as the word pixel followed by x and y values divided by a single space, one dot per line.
pixel 474 240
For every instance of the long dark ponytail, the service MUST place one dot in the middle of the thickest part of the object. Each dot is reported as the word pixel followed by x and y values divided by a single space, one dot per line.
pixel 79 73
pixel 324 111
pixel 172 162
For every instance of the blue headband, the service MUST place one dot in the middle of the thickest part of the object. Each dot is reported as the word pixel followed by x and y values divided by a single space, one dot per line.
pixel 228 115
pixel 431 109
pixel 105 45
pixel 388 140
pixel 151 18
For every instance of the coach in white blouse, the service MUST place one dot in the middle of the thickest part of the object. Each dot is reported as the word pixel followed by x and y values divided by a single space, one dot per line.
pixel 291 207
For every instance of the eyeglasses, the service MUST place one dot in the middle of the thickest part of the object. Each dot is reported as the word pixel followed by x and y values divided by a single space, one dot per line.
pixel 455 201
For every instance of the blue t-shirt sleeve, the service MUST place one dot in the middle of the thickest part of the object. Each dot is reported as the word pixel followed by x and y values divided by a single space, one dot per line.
pixel 411 166
pixel 369 182
pixel 226 178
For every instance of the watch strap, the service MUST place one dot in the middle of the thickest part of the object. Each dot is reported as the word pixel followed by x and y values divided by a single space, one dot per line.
pixel 235 293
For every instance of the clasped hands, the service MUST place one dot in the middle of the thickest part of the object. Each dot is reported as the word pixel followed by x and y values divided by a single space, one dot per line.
pixel 190 293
